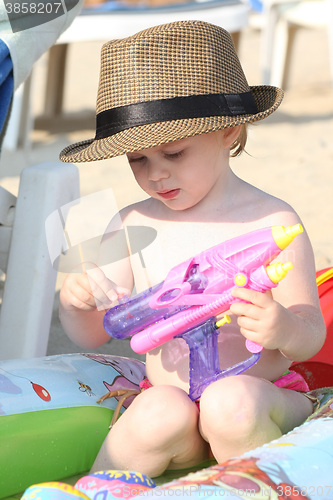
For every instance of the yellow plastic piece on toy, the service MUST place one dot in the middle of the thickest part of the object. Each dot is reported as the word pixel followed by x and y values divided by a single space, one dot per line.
pixel 240 279
pixel 285 235
pixel 223 321
pixel 276 272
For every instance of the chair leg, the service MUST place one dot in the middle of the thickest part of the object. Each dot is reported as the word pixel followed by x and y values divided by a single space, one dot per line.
pixel 26 310
pixel 289 52
pixel 54 94
pixel 270 18
pixel 284 43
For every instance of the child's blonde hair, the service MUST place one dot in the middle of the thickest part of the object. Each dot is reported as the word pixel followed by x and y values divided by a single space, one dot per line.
pixel 238 146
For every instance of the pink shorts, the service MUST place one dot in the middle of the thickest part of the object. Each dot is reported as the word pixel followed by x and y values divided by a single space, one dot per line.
pixel 293 381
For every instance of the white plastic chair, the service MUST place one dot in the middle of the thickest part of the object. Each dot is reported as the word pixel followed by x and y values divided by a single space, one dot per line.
pixel 27 304
pixel 280 21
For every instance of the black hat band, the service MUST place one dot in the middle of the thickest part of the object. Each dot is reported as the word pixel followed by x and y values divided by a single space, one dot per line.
pixel 112 121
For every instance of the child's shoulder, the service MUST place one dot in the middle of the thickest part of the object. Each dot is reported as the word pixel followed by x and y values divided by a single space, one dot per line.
pixel 137 212
pixel 258 205
pixel 250 208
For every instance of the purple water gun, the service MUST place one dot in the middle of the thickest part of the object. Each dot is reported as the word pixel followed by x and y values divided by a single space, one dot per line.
pixel 187 302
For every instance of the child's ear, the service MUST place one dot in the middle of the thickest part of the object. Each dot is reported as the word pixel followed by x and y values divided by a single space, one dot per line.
pixel 230 135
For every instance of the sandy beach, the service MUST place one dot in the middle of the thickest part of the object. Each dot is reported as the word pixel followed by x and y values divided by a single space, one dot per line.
pixel 290 154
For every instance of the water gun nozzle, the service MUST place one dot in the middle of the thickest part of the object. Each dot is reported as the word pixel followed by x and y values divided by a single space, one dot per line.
pixel 283 236
pixel 276 272
pixel 293 231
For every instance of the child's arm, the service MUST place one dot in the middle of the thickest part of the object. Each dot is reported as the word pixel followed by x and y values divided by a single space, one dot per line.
pixel 289 319
pixel 84 297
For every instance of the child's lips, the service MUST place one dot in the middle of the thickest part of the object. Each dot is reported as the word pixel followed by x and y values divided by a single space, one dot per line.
pixel 169 194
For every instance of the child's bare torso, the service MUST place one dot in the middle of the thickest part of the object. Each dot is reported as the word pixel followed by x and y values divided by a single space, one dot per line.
pixel 182 238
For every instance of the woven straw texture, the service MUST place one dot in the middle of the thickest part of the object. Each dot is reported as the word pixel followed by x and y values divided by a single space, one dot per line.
pixel 180 59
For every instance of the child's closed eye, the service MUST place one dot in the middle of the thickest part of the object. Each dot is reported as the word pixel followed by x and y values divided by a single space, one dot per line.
pixel 135 159
pixel 173 156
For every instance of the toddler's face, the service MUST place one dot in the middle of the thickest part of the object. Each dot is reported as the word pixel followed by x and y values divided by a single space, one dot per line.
pixel 182 173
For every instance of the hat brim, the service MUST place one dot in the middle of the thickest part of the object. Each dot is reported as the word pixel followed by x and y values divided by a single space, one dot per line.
pixel 268 99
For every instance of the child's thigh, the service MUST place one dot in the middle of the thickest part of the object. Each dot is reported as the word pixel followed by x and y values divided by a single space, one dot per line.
pixel 249 401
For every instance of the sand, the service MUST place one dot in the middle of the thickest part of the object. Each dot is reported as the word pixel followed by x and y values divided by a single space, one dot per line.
pixel 290 154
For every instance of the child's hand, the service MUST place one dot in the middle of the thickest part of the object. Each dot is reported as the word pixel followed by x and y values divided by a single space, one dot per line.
pixel 260 318
pixel 90 290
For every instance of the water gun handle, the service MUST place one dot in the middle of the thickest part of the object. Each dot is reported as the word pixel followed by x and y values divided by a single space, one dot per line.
pixel 204 365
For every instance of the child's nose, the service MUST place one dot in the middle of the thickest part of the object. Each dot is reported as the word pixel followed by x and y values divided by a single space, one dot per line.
pixel 157 171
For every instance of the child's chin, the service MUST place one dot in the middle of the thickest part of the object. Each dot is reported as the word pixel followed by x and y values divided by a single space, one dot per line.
pixel 178 206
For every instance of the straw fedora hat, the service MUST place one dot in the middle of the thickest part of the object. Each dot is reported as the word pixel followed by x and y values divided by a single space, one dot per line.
pixel 166 83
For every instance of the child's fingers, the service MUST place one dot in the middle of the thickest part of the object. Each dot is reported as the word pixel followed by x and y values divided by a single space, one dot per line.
pixel 249 304
pixel 104 291
pixel 91 289
pixel 247 295
pixel 101 300
pixel 246 309
pixel 248 326
pixel 76 292
pixel 251 309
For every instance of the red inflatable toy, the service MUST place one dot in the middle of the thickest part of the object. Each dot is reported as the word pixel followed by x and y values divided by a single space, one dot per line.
pixel 318 371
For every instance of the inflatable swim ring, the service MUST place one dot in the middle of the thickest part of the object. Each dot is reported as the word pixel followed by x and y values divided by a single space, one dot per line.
pixel 51 428
pixel 297 465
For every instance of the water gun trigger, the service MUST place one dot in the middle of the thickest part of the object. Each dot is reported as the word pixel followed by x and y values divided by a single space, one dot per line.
pixel 226 319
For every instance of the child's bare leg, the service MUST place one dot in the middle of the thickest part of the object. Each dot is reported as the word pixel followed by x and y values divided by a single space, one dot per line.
pixel 159 430
pixel 239 413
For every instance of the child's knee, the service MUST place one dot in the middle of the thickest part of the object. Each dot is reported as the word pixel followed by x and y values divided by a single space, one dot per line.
pixel 227 405
pixel 163 407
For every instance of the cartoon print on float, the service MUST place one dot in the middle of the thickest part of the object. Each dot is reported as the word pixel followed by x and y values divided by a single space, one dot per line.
pixel 85 388
pixel 244 479
pixel 130 374
pixel 6 385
